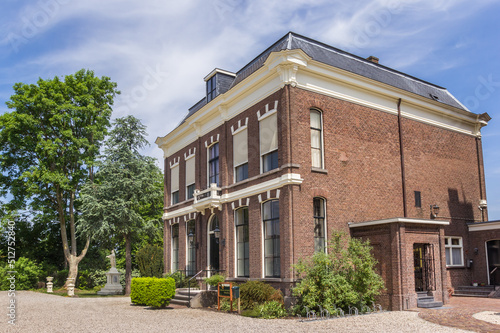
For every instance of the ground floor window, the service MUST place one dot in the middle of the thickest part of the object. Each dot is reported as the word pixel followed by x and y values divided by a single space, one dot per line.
pixel 319 224
pixel 454 251
pixel 175 247
pixel 242 243
pixel 271 219
pixel 191 248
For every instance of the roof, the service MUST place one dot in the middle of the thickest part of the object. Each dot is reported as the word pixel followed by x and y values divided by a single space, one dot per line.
pixel 346 61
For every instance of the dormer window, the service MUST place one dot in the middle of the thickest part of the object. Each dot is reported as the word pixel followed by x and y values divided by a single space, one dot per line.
pixel 211 88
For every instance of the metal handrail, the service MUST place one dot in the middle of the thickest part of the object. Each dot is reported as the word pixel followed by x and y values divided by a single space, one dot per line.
pixel 196 275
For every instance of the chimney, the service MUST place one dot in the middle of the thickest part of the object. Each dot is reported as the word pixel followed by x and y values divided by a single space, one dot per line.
pixel 372 59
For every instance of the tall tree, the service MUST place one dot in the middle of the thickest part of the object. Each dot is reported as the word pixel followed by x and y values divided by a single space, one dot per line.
pixel 127 191
pixel 49 145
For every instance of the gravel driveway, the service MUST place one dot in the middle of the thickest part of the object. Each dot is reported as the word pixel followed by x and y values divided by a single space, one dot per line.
pixel 36 312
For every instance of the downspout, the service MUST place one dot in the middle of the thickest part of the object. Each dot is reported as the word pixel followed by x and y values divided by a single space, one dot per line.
pixel 405 213
pixel 479 163
pixel 402 155
pixel 291 186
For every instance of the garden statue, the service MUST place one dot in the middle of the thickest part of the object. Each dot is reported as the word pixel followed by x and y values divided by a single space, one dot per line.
pixel 113 286
pixel 112 258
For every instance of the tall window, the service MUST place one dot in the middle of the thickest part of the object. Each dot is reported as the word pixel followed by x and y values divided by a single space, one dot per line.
pixel 211 88
pixel 213 164
pixel 316 139
pixel 175 247
pixel 191 248
pixel 268 134
pixel 240 155
pixel 319 224
pixel 190 177
pixel 271 219
pixel 174 184
pixel 454 251
pixel 242 244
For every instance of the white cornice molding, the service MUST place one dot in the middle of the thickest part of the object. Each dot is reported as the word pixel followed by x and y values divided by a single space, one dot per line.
pixel 396 220
pixel 284 180
pixel 296 68
pixel 484 226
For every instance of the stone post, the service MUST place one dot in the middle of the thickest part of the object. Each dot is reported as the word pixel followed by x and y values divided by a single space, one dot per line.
pixel 71 287
pixel 49 284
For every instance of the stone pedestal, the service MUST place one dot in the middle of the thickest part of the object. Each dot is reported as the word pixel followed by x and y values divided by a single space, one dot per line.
pixel 71 289
pixel 49 284
pixel 113 286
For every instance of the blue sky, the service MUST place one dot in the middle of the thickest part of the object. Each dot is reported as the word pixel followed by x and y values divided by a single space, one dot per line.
pixel 159 51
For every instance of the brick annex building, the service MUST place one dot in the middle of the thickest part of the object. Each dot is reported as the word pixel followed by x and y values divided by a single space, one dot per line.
pixel 307 139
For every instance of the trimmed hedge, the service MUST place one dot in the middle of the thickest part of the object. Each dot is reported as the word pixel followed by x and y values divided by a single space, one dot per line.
pixel 151 291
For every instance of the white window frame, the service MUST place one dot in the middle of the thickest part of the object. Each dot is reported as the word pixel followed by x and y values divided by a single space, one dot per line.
pixel 208 163
pixel 261 155
pixel 236 241
pixel 172 247
pixel 325 224
pixel 263 230
pixel 321 130
pixel 239 130
pixel 448 245
pixel 188 245
pixel 193 183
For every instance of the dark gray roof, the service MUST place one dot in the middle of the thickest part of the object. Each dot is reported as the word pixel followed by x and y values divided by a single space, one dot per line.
pixel 337 58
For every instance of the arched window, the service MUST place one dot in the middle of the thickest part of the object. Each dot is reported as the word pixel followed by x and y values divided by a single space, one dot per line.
pixel 191 248
pixel 242 243
pixel 213 244
pixel 271 220
pixel 316 139
pixel 319 224
pixel 175 247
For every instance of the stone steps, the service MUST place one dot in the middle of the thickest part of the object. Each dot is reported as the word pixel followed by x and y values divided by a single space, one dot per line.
pixel 182 296
pixel 426 301
pixel 470 291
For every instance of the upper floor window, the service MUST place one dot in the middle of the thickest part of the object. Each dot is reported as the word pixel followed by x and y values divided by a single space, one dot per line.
pixel 271 220
pixel 454 251
pixel 211 88
pixel 242 242
pixel 240 155
pixel 190 177
pixel 268 135
pixel 174 184
pixel 319 224
pixel 175 247
pixel 316 139
pixel 213 164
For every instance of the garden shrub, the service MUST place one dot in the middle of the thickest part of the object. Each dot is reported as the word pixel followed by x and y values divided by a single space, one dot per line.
pixel 257 292
pixel 60 278
pixel 28 273
pixel 214 280
pixel 344 277
pixel 271 310
pixel 84 280
pixel 150 260
pixel 151 291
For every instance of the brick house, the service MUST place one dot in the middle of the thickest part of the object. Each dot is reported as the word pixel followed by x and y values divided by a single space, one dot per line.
pixel 307 139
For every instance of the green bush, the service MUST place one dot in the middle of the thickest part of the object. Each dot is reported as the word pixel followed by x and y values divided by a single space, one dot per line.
pixel 150 261
pixel 60 278
pixel 344 277
pixel 271 310
pixel 28 273
pixel 84 280
pixel 214 280
pixel 151 291
pixel 257 292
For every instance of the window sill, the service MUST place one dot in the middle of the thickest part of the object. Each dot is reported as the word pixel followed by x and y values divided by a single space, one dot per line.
pixel 455 267
pixel 319 170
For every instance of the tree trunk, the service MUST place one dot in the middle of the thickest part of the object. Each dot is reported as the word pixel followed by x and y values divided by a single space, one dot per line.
pixel 128 264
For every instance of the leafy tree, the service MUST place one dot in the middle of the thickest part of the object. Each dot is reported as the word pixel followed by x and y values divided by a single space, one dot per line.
pixel 26 276
pixel 49 144
pixel 126 198
pixel 344 277
pixel 150 261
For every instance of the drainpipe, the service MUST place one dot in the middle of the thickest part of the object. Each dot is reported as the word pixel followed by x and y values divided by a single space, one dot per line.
pixel 290 160
pixel 479 163
pixel 402 155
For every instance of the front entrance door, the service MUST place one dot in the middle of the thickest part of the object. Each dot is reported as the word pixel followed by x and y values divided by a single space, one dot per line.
pixel 213 244
pixel 493 248
pixel 423 265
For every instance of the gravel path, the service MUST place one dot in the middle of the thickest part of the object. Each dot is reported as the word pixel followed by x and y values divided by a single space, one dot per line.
pixel 36 312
